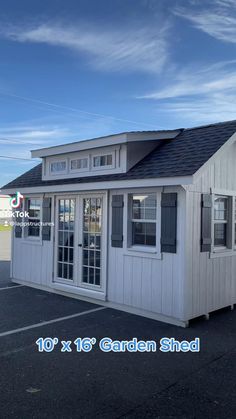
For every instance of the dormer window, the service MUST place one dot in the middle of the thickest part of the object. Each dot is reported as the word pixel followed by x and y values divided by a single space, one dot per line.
pixel 58 167
pixel 83 164
pixel 105 161
pixel 79 164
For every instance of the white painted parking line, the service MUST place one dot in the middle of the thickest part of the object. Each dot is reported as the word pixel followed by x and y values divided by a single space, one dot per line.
pixel 10 288
pixel 59 319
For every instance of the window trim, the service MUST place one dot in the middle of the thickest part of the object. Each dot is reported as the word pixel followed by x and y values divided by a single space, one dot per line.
pixel 86 169
pixel 35 239
pixel 225 221
pixel 111 166
pixel 61 172
pixel 230 248
pixel 61 280
pixel 143 250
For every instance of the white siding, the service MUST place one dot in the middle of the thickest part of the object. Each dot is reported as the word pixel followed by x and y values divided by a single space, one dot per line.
pixel 219 173
pixel 32 263
pixel 210 282
pixel 142 280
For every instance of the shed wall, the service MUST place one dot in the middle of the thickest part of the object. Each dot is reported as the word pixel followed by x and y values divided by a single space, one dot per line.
pixel 210 278
pixel 142 280
pixel 32 263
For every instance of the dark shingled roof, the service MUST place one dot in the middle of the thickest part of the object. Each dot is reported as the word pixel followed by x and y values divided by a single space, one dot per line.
pixel 181 156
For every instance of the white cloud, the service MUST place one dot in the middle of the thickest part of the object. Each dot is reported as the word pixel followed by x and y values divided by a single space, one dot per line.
pixel 20 135
pixel 214 108
pixel 18 139
pixel 137 49
pixel 217 18
pixel 191 81
pixel 199 95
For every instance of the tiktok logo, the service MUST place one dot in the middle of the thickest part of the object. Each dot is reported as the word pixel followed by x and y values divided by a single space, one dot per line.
pixel 15 202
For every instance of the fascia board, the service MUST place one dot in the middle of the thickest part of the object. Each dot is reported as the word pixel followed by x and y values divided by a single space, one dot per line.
pixel 133 183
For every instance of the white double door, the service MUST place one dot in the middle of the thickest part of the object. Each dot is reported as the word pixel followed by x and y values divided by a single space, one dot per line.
pixel 80 241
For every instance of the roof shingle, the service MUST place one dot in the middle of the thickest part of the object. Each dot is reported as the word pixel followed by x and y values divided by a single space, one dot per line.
pixel 181 156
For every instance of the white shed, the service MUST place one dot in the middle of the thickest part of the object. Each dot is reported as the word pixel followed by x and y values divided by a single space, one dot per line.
pixel 140 221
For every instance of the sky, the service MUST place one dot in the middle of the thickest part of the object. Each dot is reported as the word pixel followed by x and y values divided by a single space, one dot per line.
pixel 77 69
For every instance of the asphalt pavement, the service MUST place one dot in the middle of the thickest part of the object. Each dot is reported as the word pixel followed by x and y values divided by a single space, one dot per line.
pixel 108 385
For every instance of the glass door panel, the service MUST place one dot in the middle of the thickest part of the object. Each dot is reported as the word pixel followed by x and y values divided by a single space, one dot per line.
pixel 65 240
pixel 91 245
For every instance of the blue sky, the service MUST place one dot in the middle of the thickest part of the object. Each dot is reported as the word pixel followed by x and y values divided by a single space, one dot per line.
pixel 81 69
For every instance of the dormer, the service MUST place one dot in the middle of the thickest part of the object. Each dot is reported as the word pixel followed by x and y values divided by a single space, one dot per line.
pixel 100 156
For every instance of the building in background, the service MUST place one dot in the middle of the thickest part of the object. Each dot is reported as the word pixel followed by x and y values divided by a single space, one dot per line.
pixel 5 209
pixel 5 229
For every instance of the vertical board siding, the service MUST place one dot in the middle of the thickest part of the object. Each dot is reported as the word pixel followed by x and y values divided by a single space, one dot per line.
pixel 210 282
pixel 166 285
pixel 142 284
pixel 143 281
pixel 146 282
pixel 137 281
pixel 156 305
pixel 33 263
pixel 128 284
pixel 146 286
pixel 220 173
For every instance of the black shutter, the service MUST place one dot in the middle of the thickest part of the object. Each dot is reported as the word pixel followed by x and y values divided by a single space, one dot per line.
pixel 206 208
pixel 18 231
pixel 18 221
pixel 117 221
pixel 46 229
pixel 168 222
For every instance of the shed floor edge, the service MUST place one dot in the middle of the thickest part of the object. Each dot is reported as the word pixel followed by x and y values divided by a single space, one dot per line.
pixel 128 309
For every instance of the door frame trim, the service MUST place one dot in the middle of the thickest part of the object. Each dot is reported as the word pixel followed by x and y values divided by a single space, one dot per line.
pixel 55 279
pixel 80 284
pixel 77 286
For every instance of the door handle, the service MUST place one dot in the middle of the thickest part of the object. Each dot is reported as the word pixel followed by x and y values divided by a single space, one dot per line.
pixel 80 245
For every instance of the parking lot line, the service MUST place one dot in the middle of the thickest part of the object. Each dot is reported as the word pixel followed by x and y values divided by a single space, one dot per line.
pixel 59 319
pixel 9 288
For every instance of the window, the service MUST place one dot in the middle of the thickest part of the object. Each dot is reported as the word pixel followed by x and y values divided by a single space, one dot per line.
pixel 65 243
pixel 58 167
pixel 79 164
pixel 34 209
pixel 92 238
pixel 144 219
pixel 221 209
pixel 101 161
